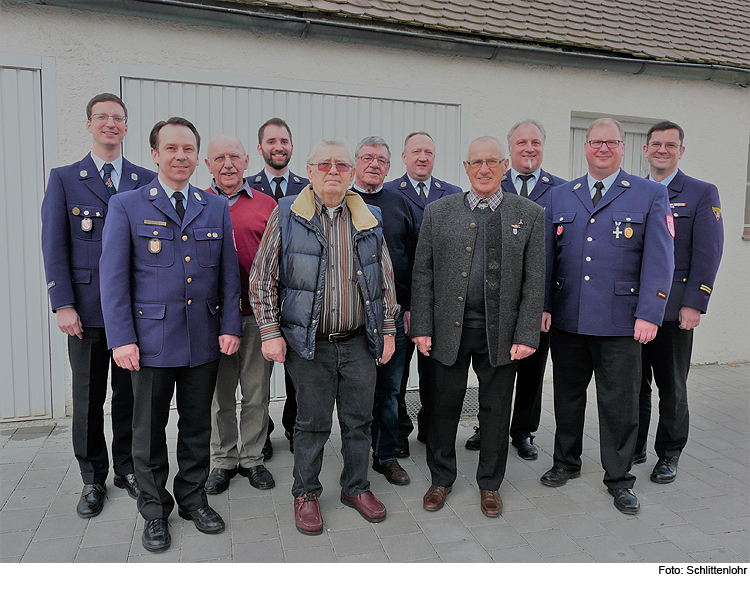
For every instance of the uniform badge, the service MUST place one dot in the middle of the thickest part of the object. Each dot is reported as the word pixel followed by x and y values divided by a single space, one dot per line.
pixel 84 173
pixel 578 186
pixel 87 225
pixel 617 232
pixel 85 212
pixel 517 226
pixel 662 295
pixel 403 184
pixel 545 179
pixel 625 184
pixel 154 246
pixel 437 184
pixel 296 180
pixel 705 288
pixel 153 192
pixel 628 232
pixel 51 284
pixel 257 179
pixel 75 211
pixel 717 212
pixel 559 230
pixel 215 235
pixel 670 225
pixel 195 194
pixel 134 176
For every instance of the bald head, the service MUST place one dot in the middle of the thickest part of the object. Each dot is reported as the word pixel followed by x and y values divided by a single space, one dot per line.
pixel 227 161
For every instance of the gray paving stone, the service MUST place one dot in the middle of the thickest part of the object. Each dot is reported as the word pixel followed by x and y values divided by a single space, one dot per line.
pixel 711 522
pixel 355 541
pixel 258 529
pixel 570 558
pixel 392 502
pixel 556 505
pixel 30 497
pixel 658 516
pixel 551 543
pixel 110 554
pixel 51 477
pixel 170 556
pixel 518 554
pixel 674 500
pixel 528 520
pixel 118 508
pixel 689 538
pixel 247 507
pixel 291 539
pixel 63 504
pixel 607 548
pixel 721 555
pixel 317 554
pixel 68 525
pixel 449 529
pixel 420 514
pixel 20 519
pixel 17 455
pixel 463 551
pixel 662 552
pixel 206 547
pixel 340 517
pixel 58 550
pixel 52 460
pixel 103 533
pixel 15 543
pixel 634 531
pixel 369 557
pixel 498 535
pixel 396 524
pixel 738 542
pixel 258 552
pixel 408 547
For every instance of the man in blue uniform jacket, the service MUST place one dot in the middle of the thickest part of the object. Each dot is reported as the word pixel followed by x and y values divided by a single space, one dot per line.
pixel 698 244
pixel 74 209
pixel 526 178
pixel 610 258
pixel 171 293
pixel 276 148
pixel 419 188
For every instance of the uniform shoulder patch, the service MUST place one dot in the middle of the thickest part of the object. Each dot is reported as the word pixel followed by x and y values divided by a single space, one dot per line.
pixel 717 212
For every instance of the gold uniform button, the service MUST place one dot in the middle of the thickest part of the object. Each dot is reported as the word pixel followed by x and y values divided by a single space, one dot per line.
pixel 468 249
pixel 156 232
pixel 464 274
pixel 217 307
pixel 75 211
pixel 189 279
pixel 184 238
pixel 140 312
pixel 684 280
pixel 209 234
pixel 190 302
pixel 187 259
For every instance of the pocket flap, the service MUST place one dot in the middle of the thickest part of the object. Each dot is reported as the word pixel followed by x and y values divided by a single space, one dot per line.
pixel 564 218
pixel 148 231
pixel 624 216
pixel 627 287
pixel 560 283
pixel 208 233
pixel 153 311
pixel 81 275
pixel 214 306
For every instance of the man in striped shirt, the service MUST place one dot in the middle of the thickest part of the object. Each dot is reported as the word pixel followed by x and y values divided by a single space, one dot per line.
pixel 322 284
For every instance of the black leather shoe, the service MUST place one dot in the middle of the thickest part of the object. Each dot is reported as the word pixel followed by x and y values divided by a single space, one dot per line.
pixel 639 457
pixel 474 442
pixel 402 451
pixel 267 449
pixel 129 483
pixel 290 436
pixel 526 448
pixel 665 470
pixel 625 500
pixel 259 477
pixel 218 480
pixel 558 476
pixel 156 536
pixel 205 518
pixel 91 502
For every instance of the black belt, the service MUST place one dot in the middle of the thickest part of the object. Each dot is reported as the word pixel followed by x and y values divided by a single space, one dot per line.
pixel 338 337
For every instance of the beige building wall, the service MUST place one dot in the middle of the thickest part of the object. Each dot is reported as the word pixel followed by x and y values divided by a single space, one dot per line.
pixel 716 117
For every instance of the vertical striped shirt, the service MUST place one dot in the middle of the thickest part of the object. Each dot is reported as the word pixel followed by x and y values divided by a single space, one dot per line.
pixel 343 306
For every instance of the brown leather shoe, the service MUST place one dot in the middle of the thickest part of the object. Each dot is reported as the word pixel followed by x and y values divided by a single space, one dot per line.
pixel 307 516
pixel 393 472
pixel 368 506
pixel 434 498
pixel 492 504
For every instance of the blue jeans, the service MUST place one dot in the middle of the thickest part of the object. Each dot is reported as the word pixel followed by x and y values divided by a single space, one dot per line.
pixel 385 411
pixel 343 373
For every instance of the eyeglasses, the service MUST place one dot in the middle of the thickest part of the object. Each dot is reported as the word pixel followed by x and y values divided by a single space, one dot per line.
pixel 611 144
pixel 490 162
pixel 340 166
pixel 671 146
pixel 102 117
pixel 367 159
pixel 233 158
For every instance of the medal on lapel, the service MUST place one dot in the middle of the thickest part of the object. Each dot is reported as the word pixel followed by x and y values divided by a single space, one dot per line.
pixel 517 226
pixel 559 230
pixel 86 224
pixel 628 231
pixel 154 246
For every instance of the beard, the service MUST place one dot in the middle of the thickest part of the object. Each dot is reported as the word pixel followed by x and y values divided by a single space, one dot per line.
pixel 276 165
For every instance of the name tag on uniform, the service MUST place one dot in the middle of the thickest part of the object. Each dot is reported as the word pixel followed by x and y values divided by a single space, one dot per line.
pixel 154 223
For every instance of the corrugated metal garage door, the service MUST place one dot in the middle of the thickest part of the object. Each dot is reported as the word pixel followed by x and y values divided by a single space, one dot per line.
pixel 349 112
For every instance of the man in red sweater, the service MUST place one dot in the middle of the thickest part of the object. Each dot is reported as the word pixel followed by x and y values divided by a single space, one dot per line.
pixel 236 451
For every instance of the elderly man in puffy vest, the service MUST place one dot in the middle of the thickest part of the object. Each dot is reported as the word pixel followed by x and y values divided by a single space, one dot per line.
pixel 322 283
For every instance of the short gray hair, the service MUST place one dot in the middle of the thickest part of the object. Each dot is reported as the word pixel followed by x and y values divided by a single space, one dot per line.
pixel 533 122
pixel 606 121
pixel 326 142
pixel 374 141
pixel 487 138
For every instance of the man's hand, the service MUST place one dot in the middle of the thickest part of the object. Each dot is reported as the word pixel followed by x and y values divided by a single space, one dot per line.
pixel 644 331
pixel 546 321
pixel 520 351
pixel 424 344
pixel 689 318
pixel 69 322
pixel 127 356
pixel 389 346
pixel 229 343
pixel 274 349
pixel 407 321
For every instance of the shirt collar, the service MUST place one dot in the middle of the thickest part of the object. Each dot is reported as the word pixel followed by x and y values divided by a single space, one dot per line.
pixel 170 191
pixel 427 185
pixel 359 189
pixel 514 174
pixel 219 191
pixel 116 163
pixel 320 207
pixel 608 182
pixel 270 176
pixel 667 180
pixel 493 200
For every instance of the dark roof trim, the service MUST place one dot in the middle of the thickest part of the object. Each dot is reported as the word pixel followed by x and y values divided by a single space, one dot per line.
pixel 404 38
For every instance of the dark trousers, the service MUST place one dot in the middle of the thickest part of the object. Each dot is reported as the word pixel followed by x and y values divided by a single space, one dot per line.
pixel 153 388
pixel 527 408
pixel 385 425
pixel 667 358
pixel 289 414
pixel 405 424
pixel 343 374
pixel 448 387
pixel 616 365
pixel 90 362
